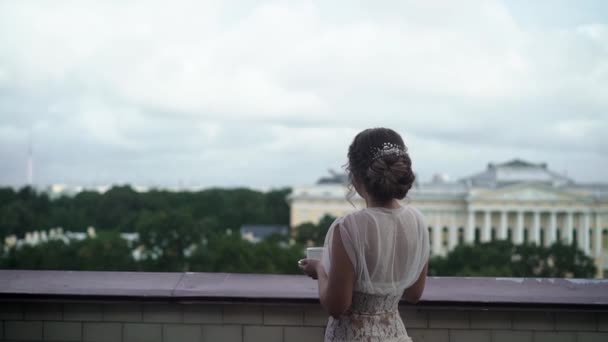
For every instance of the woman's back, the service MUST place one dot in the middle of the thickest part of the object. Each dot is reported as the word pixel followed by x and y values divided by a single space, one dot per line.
pixel 372 255
pixel 388 248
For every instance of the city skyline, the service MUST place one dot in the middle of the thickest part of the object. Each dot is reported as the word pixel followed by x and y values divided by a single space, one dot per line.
pixel 193 183
pixel 331 176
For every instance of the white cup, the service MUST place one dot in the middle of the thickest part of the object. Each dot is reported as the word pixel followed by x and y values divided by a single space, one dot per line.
pixel 314 253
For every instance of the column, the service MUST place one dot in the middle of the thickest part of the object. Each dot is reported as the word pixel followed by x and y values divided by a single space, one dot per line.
pixel 536 228
pixel 569 228
pixel 502 234
pixel 469 236
pixel 552 234
pixel 519 228
pixel 598 235
pixel 452 234
pixel 487 227
pixel 584 234
pixel 436 247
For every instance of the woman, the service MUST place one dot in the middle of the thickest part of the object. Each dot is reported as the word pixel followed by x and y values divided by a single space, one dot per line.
pixel 375 256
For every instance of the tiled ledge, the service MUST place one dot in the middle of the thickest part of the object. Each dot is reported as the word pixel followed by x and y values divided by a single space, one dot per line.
pixel 202 307
pixel 440 291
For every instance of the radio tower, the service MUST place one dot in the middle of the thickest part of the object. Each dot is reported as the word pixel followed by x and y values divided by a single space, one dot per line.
pixel 30 163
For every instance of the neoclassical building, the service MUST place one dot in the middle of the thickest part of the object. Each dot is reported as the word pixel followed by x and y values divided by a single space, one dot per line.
pixel 516 200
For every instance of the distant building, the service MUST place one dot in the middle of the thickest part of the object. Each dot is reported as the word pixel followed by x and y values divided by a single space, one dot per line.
pixel 334 178
pixel 61 190
pixel 258 232
pixel 35 238
pixel 68 190
pixel 516 200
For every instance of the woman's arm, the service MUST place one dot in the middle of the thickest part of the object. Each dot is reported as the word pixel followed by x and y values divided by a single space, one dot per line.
pixel 413 293
pixel 336 289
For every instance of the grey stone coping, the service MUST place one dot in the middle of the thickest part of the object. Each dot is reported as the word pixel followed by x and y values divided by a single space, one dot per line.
pixel 440 291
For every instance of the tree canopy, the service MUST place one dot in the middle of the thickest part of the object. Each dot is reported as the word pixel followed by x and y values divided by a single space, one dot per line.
pixel 199 231
pixel 504 259
pixel 178 231
pixel 121 207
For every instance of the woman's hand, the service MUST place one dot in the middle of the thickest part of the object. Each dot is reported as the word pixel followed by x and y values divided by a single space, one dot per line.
pixel 309 266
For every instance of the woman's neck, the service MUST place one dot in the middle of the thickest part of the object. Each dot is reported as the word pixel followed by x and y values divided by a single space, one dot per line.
pixel 392 204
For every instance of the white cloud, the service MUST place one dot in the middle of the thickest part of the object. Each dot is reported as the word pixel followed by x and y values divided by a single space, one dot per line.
pixel 154 81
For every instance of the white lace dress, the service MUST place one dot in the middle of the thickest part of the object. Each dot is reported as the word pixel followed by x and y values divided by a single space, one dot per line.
pixel 388 249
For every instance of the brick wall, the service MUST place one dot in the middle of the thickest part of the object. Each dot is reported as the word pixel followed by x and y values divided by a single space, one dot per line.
pixel 247 322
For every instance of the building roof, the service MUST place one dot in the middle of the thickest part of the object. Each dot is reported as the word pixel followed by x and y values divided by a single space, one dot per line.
pixel 496 175
pixel 516 171
pixel 334 178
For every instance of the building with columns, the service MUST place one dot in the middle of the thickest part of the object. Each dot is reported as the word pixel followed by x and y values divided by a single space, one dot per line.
pixel 516 200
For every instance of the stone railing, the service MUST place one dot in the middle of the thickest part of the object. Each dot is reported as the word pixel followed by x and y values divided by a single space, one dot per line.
pixel 167 307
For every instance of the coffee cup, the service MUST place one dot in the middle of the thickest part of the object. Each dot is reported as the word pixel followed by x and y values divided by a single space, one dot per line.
pixel 314 253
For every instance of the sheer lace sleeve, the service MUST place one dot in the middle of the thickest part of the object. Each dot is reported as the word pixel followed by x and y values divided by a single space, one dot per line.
pixel 422 257
pixel 347 241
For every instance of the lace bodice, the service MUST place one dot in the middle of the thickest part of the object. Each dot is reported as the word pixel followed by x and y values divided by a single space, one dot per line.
pixel 371 318
pixel 365 303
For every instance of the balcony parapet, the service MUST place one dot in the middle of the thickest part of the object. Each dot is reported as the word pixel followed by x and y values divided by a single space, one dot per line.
pixel 440 291
pixel 64 306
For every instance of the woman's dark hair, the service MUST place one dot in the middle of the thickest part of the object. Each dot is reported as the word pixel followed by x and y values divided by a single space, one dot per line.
pixel 385 177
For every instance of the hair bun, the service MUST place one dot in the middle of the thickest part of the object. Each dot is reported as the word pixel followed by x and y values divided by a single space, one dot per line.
pixel 390 177
pixel 378 163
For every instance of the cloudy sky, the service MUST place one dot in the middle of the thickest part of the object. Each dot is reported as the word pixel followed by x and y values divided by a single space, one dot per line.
pixel 255 93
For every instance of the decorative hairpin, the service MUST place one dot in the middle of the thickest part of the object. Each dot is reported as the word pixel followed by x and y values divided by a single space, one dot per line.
pixel 388 149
